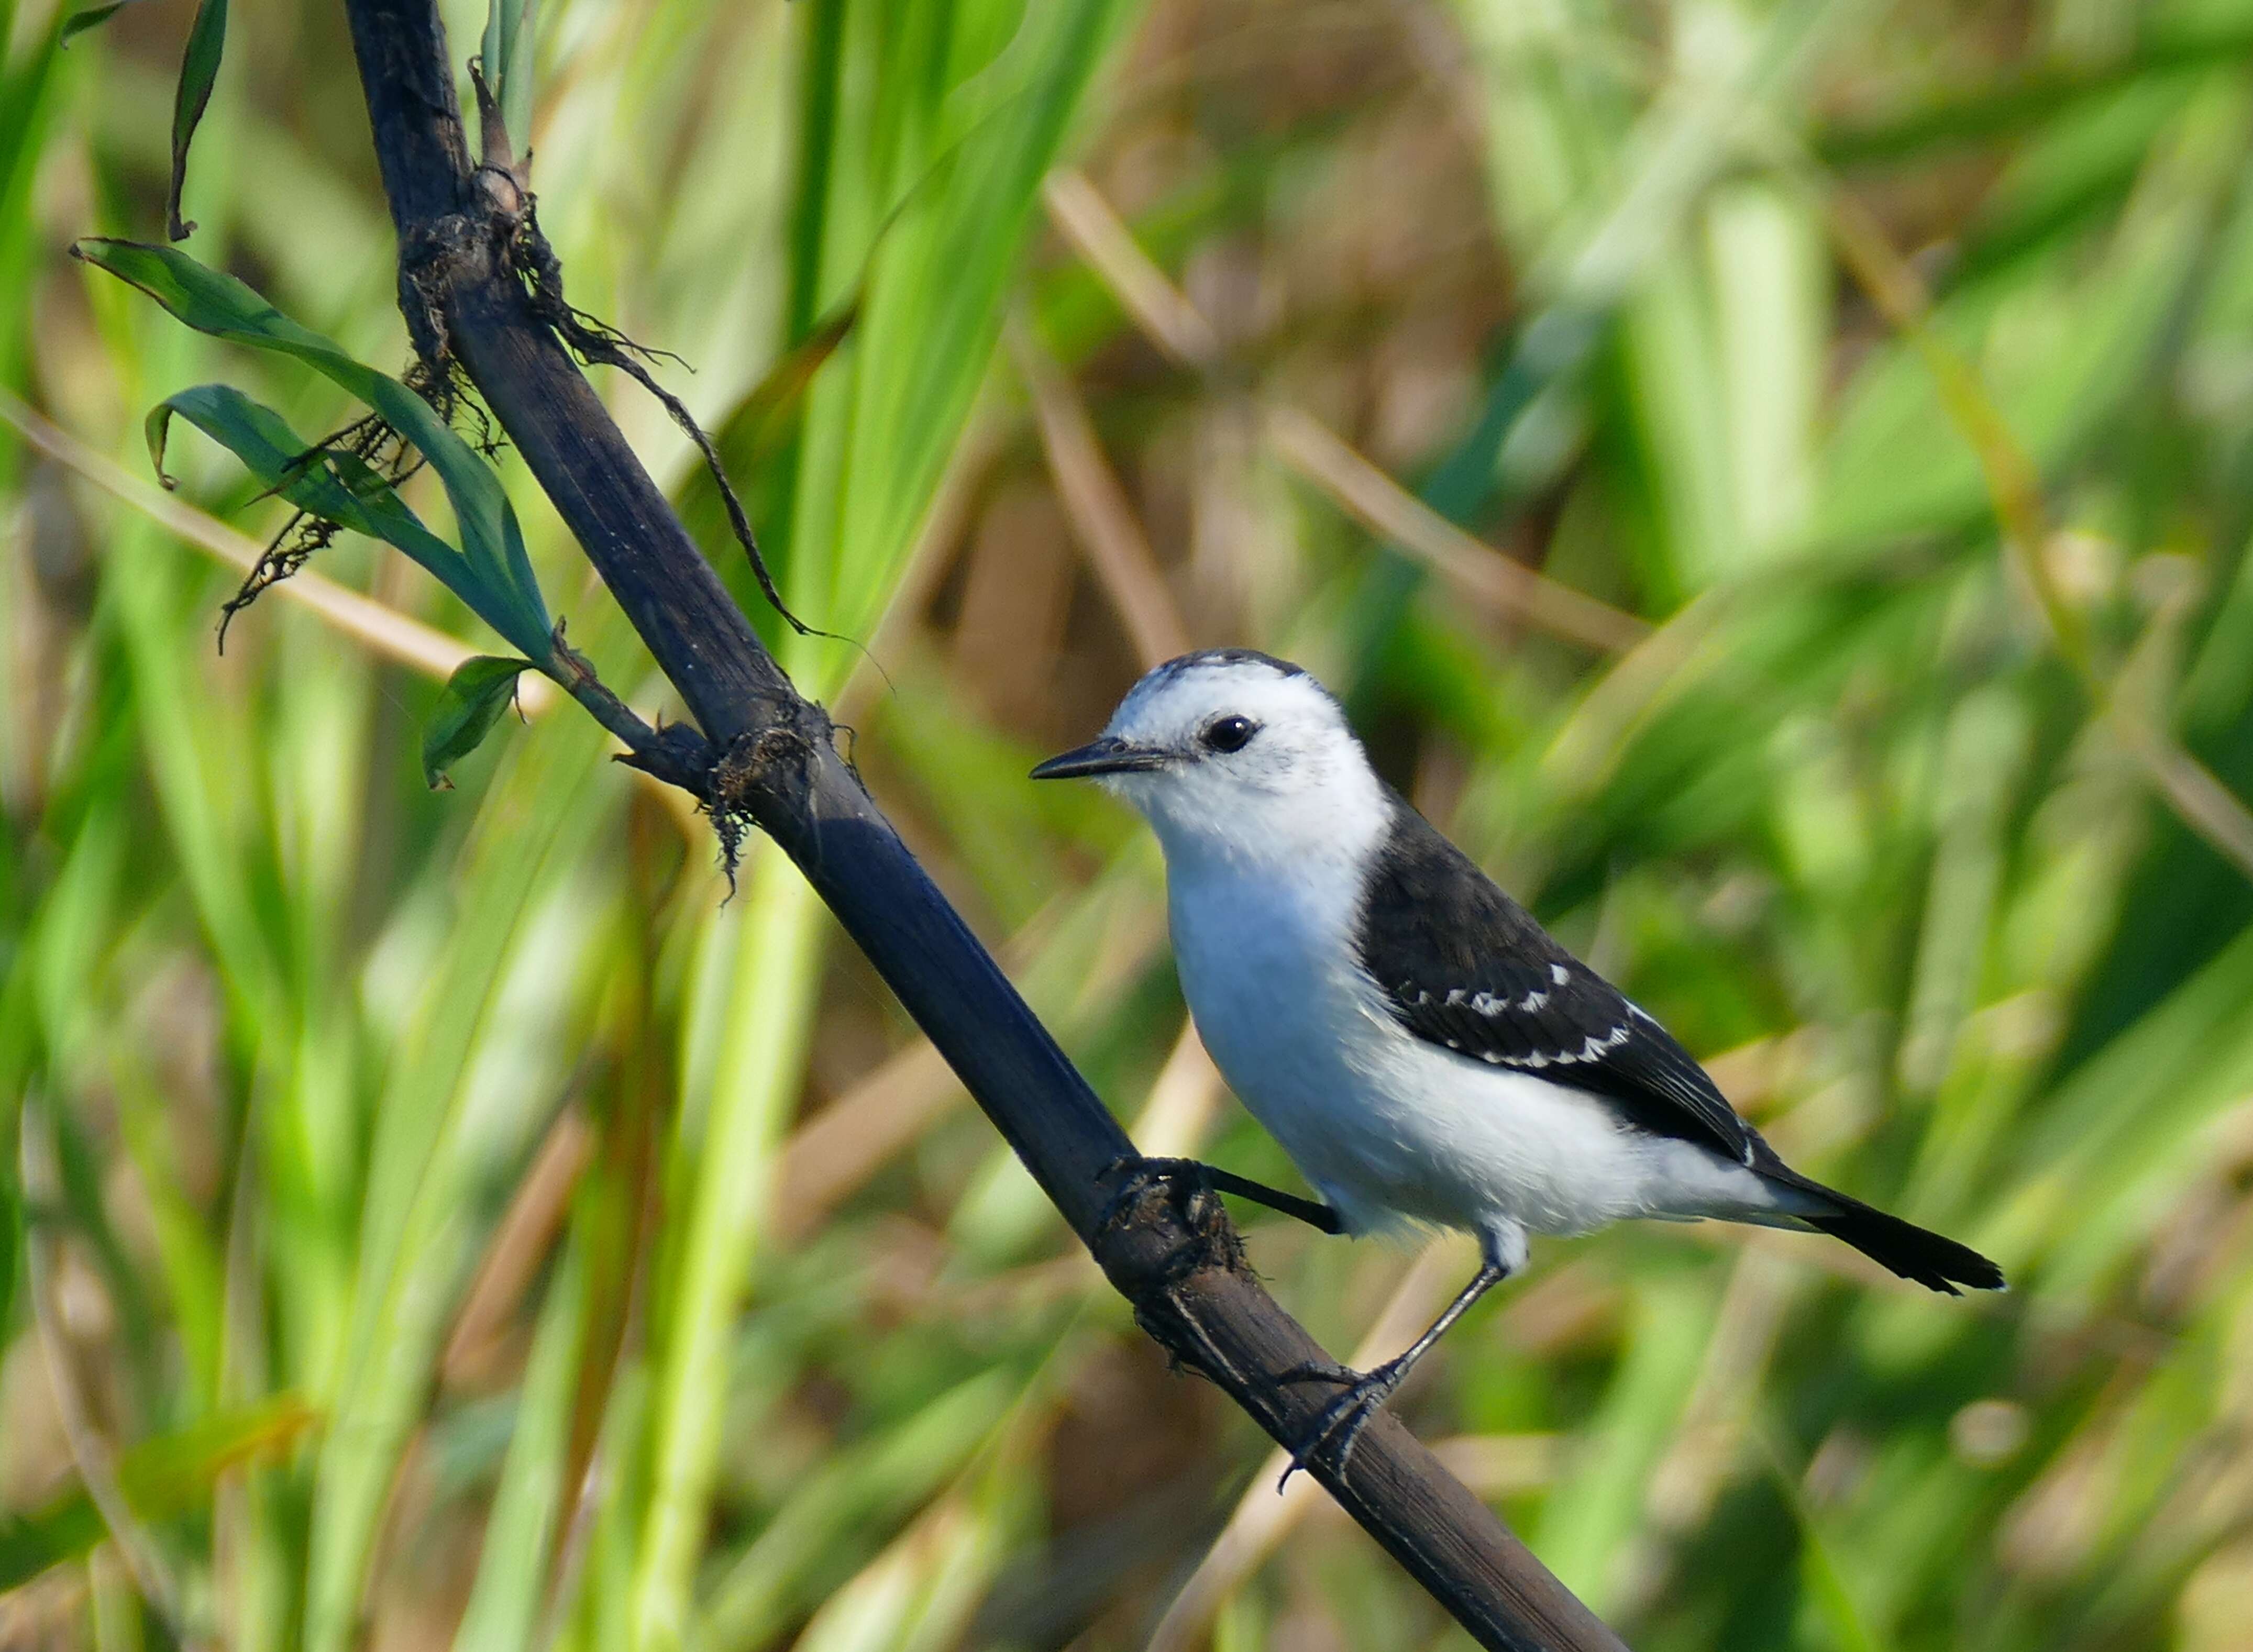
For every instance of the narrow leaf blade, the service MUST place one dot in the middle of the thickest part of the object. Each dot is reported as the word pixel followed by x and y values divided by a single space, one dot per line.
pixel 495 576
pixel 471 702
pixel 160 1477
pixel 337 487
pixel 199 74
pixel 78 22
pixel 507 55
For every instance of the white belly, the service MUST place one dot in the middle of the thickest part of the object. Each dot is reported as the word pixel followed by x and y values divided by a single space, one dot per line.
pixel 1392 1130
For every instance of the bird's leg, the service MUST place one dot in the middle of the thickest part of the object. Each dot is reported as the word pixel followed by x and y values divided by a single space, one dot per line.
pixel 1321 1218
pixel 1204 1178
pixel 1364 1393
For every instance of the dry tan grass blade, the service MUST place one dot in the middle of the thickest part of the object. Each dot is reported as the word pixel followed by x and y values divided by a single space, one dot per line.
pixel 1102 518
pixel 1316 454
pixel 384 631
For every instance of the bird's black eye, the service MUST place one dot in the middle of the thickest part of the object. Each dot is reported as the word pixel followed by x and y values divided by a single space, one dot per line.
pixel 1230 734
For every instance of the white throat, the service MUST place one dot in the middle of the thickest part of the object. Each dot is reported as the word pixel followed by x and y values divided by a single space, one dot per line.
pixel 1294 797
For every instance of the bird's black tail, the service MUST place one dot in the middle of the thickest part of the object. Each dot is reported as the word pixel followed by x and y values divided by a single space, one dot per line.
pixel 1913 1252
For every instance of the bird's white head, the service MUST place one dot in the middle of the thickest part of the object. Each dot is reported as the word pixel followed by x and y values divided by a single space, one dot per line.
pixel 1229 752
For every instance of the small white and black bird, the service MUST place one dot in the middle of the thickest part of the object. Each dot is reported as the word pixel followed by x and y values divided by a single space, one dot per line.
pixel 1421 1047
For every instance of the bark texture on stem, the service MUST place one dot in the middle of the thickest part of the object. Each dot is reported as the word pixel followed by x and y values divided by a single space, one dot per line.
pixel 1174 1257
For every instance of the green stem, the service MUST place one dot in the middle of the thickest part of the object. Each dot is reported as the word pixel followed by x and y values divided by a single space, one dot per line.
pixel 728 1162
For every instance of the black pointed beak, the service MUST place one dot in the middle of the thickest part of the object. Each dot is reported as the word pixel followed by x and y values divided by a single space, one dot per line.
pixel 1107 755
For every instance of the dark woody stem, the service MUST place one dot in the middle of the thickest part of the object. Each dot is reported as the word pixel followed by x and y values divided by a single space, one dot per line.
pixel 768 756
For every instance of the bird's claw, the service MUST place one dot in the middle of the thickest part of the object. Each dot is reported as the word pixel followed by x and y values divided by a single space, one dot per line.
pixel 1140 1174
pixel 1212 1244
pixel 1364 1393
pixel 1319 1370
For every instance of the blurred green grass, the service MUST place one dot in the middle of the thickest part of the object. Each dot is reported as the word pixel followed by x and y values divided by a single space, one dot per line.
pixel 445 1218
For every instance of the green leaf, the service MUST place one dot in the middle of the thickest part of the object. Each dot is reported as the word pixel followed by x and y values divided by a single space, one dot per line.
pixel 760 424
pixel 763 423
pixel 11 1242
pixel 198 73
pixel 78 22
pixel 969 108
pixel 160 1478
pixel 724 1162
pixel 423 1208
pixel 470 704
pixel 490 571
pixel 853 1501
pixel 28 97
pixel 30 1544
pixel 2009 105
pixel 503 1613
pixel 505 54
pixel 336 486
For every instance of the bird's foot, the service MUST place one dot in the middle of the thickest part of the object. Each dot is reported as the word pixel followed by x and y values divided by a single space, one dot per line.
pixel 1184 1185
pixel 1186 1178
pixel 1365 1391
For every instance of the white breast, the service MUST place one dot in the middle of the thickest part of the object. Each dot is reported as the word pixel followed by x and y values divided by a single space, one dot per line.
pixel 1388 1128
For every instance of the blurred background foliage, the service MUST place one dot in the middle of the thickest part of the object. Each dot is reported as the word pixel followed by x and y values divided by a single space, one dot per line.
pixel 1773 479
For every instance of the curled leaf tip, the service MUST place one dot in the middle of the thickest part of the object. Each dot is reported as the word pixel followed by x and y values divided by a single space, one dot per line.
pixel 480 689
pixel 490 571
pixel 80 22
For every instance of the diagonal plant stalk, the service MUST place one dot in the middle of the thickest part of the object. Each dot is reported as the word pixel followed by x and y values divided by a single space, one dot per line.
pixel 1262 1518
pixel 1117 551
pixel 1180 1266
pixel 383 630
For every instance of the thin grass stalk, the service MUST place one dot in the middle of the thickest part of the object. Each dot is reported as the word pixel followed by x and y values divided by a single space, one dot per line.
pixel 726 1161
pixel 514 1569
pixel 1102 519
pixel 384 629
pixel 417 1225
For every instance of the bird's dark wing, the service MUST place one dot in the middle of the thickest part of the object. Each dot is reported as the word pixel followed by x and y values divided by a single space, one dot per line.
pixel 1463 965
